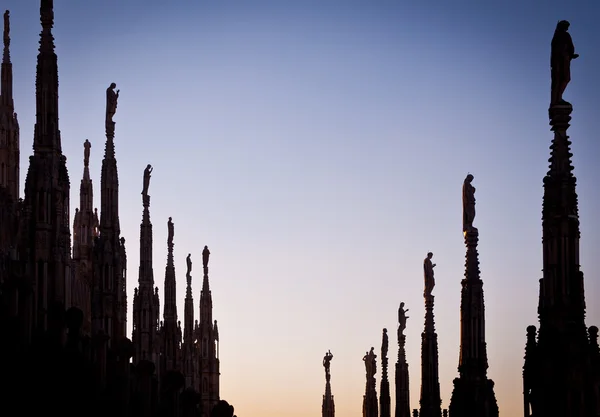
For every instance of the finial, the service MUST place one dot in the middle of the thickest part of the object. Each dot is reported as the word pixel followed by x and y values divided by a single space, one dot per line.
pixel 205 255
pixel 86 153
pixel 47 13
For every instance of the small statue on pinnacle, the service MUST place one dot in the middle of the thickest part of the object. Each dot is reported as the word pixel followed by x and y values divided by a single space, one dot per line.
pixel 205 255
pixel 189 264
pixel 402 319
pixel 428 272
pixel 111 102
pixel 370 363
pixel 562 52
pixel 327 364
pixel 147 173
pixel 6 28
pixel 171 229
pixel 468 199
pixel 86 152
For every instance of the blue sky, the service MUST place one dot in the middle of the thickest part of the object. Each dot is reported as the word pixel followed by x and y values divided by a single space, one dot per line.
pixel 318 149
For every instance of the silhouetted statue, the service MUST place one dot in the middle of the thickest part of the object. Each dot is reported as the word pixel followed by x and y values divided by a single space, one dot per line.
pixel 147 173
pixel 370 363
pixel 468 198
pixel 205 255
pixel 222 409
pixel 428 272
pixel 561 55
pixel 327 364
pixel 86 152
pixel 189 264
pixel 171 231
pixel 402 318
pixel 111 101
pixel 6 27
pixel 384 344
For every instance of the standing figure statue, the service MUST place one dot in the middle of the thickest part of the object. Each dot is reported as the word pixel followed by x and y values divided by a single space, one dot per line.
pixel 111 101
pixel 6 28
pixel 147 173
pixel 370 363
pixel 428 272
pixel 86 152
pixel 384 344
pixel 205 255
pixel 171 229
pixel 327 364
pixel 189 264
pixel 562 52
pixel 468 199
pixel 402 318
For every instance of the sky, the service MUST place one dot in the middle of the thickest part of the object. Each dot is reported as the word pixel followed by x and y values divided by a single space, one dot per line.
pixel 319 148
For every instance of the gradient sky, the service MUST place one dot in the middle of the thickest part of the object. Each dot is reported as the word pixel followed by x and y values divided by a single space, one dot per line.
pixel 319 148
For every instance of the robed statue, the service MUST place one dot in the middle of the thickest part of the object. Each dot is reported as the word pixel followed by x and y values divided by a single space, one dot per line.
pixel 189 264
pixel 6 28
pixel 171 229
pixel 205 255
pixel 384 344
pixel 428 273
pixel 111 101
pixel 86 153
pixel 562 52
pixel 370 363
pixel 327 364
pixel 147 173
pixel 468 200
pixel 402 318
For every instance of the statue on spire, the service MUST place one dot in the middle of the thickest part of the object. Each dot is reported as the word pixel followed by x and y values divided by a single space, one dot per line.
pixel 86 152
pixel 171 229
pixel 189 264
pixel 370 363
pixel 402 318
pixel 47 13
pixel 327 364
pixel 562 52
pixel 111 102
pixel 205 255
pixel 428 272
pixel 147 173
pixel 6 28
pixel 468 199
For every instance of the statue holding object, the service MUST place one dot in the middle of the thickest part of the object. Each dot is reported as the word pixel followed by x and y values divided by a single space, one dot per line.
pixel 327 364
pixel 562 52
pixel 428 272
pixel 111 102
pixel 468 199
pixel 370 363
pixel 402 318
pixel 147 173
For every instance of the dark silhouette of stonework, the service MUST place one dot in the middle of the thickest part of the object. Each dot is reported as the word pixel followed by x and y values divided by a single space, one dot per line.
pixel 384 391
pixel 473 393
pixel 370 406
pixel 430 381
pixel 402 381
pixel 328 407
pixel 561 374
pixel 63 317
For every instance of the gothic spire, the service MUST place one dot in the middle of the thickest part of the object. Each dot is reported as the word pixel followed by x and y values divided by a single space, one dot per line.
pixel 328 406
pixel 384 393
pixel 402 381
pixel 170 307
pixel 473 392
pixel 6 94
pixel 47 135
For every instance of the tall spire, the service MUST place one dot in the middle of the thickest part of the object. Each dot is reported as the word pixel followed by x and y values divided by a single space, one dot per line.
pixel 146 303
pixel 170 329
pixel 207 336
pixel 473 393
pixel 430 380
pixel 370 406
pixel 384 391
pixel 85 229
pixel 328 407
pixel 402 381
pixel 560 377
pixel 110 296
pixel 7 84
pixel 189 359
pixel 47 135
